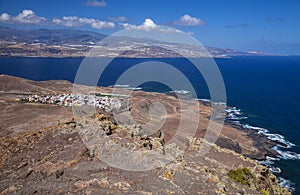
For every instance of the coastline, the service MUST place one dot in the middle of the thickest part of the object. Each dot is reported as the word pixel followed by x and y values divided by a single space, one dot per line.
pixel 261 139
pixel 260 142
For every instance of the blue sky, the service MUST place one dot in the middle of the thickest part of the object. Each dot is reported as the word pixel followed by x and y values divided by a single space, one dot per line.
pixel 270 26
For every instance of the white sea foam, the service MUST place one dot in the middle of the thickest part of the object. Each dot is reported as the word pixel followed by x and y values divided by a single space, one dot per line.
pixel 134 88
pixel 203 100
pixel 235 118
pixel 275 169
pixel 237 123
pixel 121 86
pixel 287 184
pixel 280 139
pixel 208 100
pixel 269 161
pixel 234 114
pixel 287 155
pixel 234 110
pixel 182 92
pixel 271 136
pixel 128 87
pixel 258 129
pixel 220 103
pixel 272 158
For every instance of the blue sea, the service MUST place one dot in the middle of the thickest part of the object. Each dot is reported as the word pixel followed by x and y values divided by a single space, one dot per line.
pixel 263 93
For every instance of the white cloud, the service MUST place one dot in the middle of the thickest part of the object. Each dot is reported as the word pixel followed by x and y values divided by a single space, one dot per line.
pixel 73 21
pixel 94 3
pixel 102 24
pixel 25 17
pixel 68 21
pixel 148 25
pixel 188 20
pixel 5 17
pixel 28 17
pixel 118 19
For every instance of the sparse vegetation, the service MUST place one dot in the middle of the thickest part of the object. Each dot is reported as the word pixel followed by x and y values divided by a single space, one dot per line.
pixel 265 192
pixel 243 176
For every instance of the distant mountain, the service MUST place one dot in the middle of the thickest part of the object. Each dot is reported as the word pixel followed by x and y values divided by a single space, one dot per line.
pixel 76 43
pixel 49 36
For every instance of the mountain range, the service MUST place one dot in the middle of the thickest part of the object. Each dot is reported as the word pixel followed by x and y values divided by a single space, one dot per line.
pixel 77 43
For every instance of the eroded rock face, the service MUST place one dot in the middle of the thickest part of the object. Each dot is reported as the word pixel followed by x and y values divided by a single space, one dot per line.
pixel 44 154
pixel 54 160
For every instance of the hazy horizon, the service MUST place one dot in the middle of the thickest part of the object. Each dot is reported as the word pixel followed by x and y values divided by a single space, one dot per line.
pixel 268 26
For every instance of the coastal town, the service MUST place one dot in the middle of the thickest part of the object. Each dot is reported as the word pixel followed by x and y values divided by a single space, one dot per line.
pixel 107 102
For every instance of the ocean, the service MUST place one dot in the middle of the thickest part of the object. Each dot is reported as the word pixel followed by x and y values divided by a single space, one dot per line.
pixel 263 93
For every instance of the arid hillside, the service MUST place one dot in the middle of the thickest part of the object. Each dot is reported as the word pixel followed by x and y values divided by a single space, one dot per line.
pixel 45 149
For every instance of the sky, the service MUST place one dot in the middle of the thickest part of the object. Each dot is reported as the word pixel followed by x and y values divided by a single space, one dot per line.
pixel 245 25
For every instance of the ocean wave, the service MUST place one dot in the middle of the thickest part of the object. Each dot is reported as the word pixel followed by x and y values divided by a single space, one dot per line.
pixel 220 103
pixel 287 155
pixel 275 169
pixel 234 110
pixel 182 92
pixel 208 100
pixel 258 129
pixel 237 123
pixel 203 100
pixel 269 161
pixel 235 116
pixel 134 88
pixel 286 184
pixel 121 86
pixel 280 139
pixel 128 87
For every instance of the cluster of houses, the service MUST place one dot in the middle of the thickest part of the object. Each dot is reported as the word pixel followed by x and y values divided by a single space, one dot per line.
pixel 108 102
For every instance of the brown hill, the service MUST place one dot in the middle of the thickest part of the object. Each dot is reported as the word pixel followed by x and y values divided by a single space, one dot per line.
pixel 42 150
pixel 12 84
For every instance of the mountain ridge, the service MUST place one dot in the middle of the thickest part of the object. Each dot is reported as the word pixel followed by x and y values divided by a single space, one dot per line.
pixel 78 43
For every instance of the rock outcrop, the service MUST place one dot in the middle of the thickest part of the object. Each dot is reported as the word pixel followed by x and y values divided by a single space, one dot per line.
pixel 51 152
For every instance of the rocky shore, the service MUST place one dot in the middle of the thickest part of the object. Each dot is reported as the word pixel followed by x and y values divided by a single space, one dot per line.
pixel 45 149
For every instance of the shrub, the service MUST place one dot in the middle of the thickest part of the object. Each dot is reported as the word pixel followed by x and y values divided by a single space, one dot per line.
pixel 243 176
pixel 265 192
